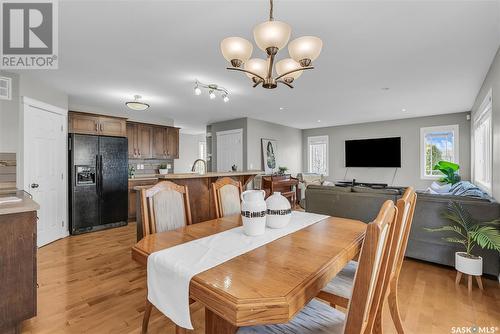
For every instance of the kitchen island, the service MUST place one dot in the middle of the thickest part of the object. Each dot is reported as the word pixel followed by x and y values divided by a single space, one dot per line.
pixel 200 195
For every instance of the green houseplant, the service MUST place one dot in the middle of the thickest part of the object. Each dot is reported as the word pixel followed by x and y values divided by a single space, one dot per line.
pixel 162 169
pixel 282 170
pixel 469 233
pixel 449 170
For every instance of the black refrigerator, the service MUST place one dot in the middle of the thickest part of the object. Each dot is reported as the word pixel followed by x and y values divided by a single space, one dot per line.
pixel 98 190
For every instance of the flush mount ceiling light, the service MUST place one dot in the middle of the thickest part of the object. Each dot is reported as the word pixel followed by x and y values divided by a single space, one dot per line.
pixel 271 36
pixel 136 104
pixel 213 89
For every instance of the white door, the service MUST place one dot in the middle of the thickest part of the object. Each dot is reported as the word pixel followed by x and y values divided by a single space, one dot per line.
pixel 229 150
pixel 44 161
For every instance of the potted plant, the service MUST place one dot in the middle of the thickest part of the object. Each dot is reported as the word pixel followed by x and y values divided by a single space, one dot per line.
pixel 449 170
pixel 131 172
pixel 162 169
pixel 282 170
pixel 469 234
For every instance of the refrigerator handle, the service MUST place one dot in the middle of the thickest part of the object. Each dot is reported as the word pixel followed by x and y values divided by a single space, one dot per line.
pixel 100 174
pixel 97 176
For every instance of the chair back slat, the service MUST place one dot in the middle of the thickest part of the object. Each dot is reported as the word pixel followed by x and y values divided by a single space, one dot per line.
pixel 373 264
pixel 159 204
pixel 406 209
pixel 226 193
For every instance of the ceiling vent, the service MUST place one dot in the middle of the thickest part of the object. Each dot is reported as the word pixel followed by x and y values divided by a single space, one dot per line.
pixel 5 88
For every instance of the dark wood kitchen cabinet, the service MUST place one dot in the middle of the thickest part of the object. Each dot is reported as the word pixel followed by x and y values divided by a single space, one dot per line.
pixel 92 124
pixel 132 140
pixel 172 143
pixel 17 263
pixel 159 142
pixel 144 141
pixel 148 141
pixel 132 195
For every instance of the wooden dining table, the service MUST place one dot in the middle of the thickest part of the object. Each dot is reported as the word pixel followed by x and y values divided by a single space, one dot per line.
pixel 269 284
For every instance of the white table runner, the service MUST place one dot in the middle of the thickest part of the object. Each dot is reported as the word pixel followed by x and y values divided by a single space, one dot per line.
pixel 170 270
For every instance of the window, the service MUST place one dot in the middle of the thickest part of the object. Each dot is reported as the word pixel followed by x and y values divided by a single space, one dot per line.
pixel 437 143
pixel 482 137
pixel 318 154
pixel 202 150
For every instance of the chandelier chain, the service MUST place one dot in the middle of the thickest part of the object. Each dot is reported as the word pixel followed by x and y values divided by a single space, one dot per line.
pixel 271 8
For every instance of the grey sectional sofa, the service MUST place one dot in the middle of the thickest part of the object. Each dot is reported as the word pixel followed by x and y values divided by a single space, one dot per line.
pixel 364 203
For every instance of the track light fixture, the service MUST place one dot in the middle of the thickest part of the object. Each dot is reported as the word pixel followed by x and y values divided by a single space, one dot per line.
pixel 213 89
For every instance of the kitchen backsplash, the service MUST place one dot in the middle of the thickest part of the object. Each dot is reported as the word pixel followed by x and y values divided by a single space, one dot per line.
pixel 149 166
pixel 7 170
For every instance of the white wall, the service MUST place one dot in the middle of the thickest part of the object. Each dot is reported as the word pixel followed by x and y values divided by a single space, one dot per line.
pixel 289 145
pixel 33 88
pixel 408 130
pixel 492 81
pixel 23 85
pixel 188 152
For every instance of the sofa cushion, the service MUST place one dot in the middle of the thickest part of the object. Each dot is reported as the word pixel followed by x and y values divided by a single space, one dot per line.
pixel 331 188
pixel 361 189
pixel 446 198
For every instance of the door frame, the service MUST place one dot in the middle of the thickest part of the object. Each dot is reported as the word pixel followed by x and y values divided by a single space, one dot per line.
pixel 21 169
pixel 229 132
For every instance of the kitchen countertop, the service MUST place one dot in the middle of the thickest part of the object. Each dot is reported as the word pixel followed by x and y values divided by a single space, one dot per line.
pixel 208 174
pixel 174 176
pixel 144 177
pixel 26 205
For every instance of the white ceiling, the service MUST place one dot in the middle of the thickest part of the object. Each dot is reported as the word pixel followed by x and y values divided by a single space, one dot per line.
pixel 433 55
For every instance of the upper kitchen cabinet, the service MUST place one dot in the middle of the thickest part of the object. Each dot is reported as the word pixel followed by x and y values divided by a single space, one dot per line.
pixel 144 141
pixel 148 141
pixel 132 140
pixel 159 142
pixel 91 124
pixel 172 143
pixel 110 126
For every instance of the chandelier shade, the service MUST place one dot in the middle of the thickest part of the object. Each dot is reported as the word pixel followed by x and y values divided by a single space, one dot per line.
pixel 236 48
pixel 272 34
pixel 305 48
pixel 286 65
pixel 257 66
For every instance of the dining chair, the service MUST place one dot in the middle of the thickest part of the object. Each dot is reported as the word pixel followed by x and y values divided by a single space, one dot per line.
pixel 164 207
pixel 320 318
pixel 338 291
pixel 226 193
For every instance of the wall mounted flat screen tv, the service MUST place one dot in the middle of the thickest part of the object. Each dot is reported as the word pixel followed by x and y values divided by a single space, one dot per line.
pixel 379 152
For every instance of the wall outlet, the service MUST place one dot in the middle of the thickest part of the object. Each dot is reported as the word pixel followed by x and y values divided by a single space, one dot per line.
pixel 138 166
pixel 169 166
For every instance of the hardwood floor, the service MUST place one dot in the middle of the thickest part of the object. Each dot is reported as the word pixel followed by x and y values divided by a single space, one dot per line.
pixel 89 284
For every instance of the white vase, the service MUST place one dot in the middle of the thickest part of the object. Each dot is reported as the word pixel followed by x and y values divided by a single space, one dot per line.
pixel 278 212
pixel 467 265
pixel 253 212
pixel 163 171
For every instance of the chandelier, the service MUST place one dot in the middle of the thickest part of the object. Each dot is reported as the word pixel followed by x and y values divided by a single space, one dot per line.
pixel 212 89
pixel 271 36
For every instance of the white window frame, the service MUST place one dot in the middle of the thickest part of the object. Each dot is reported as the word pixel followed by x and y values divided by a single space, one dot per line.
pixel 312 139
pixel 484 113
pixel 456 147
